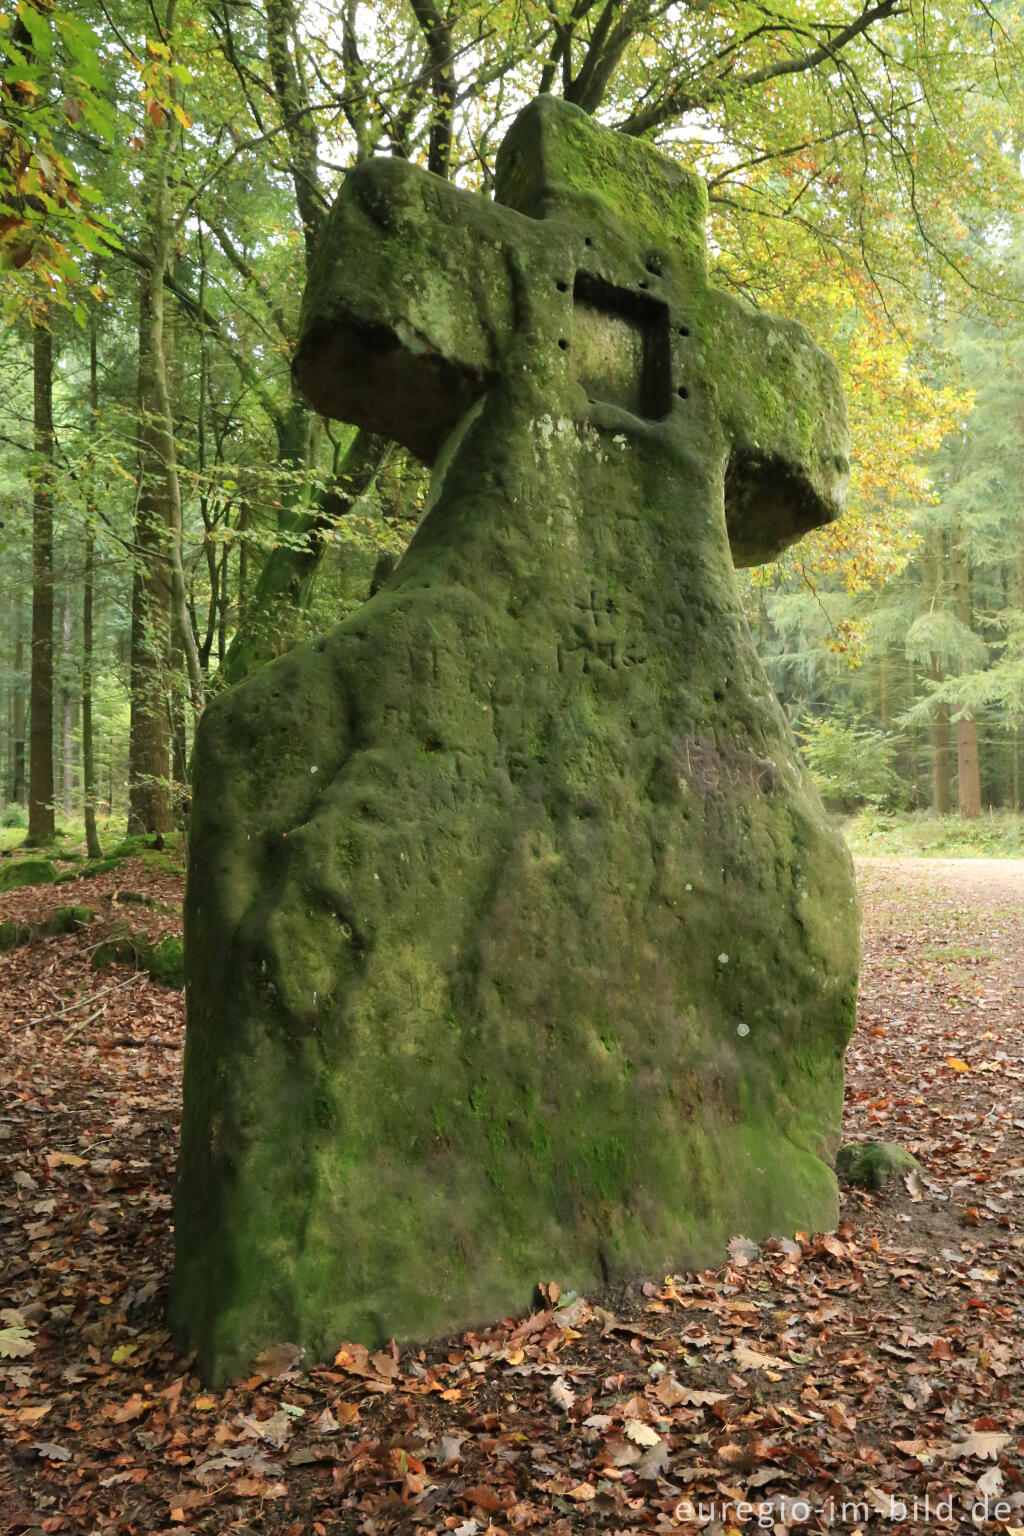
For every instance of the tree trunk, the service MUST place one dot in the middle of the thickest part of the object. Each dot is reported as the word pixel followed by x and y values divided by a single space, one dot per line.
pixel 1017 737
pixel 92 839
pixel 942 751
pixel 912 738
pixel 942 777
pixel 18 703
pixel 243 564
pixel 179 729
pixel 159 584
pixel 149 730
pixel 968 778
pixel 40 794
pixel 968 774
pixel 67 711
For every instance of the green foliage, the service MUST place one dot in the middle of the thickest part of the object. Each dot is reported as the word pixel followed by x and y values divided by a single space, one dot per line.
pixel 57 113
pixel 852 764
pixel 996 835
pixel 814 210
pixel 14 815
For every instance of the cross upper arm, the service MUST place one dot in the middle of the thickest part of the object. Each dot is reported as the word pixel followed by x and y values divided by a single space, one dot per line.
pixel 781 406
pixel 409 305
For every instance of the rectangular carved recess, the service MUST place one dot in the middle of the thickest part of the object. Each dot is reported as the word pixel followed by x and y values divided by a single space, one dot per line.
pixel 620 347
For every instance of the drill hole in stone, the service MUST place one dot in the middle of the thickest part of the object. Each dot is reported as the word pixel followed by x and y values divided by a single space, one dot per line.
pixel 683 392
pixel 656 265
pixel 684 330
pixel 562 287
pixel 563 344
pixel 620 347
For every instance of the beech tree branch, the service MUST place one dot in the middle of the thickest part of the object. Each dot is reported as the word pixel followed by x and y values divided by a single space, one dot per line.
pixel 608 43
pixel 245 269
pixel 199 313
pixel 293 101
pixel 681 99
pixel 438 38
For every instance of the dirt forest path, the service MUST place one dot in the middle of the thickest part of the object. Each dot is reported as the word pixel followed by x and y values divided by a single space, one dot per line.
pixel 942 981
pixel 867 1380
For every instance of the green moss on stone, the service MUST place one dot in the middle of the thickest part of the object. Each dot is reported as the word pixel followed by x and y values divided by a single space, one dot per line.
pixel 21 872
pixel 63 920
pixel 67 920
pixel 874 1164
pixel 163 961
pixel 557 159
pixel 517 940
pixel 113 951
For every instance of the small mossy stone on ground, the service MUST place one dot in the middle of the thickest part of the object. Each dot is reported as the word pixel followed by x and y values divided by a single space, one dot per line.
pixel 13 934
pixel 67 920
pixel 111 951
pixel 130 845
pixel 93 867
pixel 26 872
pixel 145 843
pixel 63 920
pixel 159 860
pixel 160 863
pixel 874 1164
pixel 163 961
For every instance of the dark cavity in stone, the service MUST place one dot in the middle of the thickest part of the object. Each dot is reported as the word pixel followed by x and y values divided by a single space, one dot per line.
pixel 621 347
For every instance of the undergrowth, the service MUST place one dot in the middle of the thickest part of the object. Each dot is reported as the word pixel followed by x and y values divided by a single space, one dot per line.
pixel 994 835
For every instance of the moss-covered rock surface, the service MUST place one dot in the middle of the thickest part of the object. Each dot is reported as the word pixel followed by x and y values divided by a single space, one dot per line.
pixel 63 920
pixel 874 1164
pixel 163 961
pixel 518 945
pixel 16 873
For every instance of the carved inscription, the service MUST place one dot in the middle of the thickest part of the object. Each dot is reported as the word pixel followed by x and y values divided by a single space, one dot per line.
pixel 599 635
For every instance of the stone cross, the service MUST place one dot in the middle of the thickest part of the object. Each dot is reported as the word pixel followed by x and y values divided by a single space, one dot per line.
pixel 518 945
pixel 424 297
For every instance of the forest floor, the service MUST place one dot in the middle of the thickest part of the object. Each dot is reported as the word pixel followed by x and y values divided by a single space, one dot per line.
pixel 836 1382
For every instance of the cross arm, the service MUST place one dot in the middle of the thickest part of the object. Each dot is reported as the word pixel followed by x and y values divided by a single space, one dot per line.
pixel 781 404
pixel 408 307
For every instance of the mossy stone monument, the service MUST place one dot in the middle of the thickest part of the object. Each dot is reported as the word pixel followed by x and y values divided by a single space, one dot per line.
pixel 518 945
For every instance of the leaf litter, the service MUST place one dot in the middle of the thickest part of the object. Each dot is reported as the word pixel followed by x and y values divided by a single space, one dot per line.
pixel 874 1367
